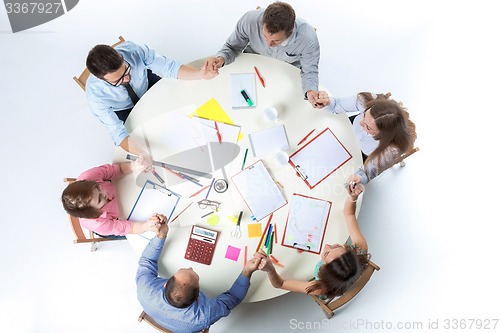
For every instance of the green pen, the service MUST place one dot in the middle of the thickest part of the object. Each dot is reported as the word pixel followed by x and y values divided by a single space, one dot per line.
pixel 244 159
pixel 246 97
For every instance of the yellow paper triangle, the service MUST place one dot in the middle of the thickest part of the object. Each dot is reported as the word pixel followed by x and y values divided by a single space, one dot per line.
pixel 213 111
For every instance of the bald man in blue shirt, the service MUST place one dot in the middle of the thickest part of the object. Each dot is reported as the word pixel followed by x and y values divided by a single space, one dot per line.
pixel 176 303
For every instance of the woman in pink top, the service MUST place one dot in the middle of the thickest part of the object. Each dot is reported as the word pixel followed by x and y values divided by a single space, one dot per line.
pixel 92 198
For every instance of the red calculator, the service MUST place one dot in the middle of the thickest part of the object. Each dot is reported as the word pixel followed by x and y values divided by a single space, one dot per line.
pixel 201 245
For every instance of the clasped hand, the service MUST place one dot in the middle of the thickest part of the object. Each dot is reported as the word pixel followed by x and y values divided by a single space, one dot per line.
pixel 158 223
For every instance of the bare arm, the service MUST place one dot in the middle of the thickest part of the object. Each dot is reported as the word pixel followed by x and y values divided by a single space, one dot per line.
pixel 126 167
pixel 190 73
pixel 350 216
pixel 144 162
pixel 277 281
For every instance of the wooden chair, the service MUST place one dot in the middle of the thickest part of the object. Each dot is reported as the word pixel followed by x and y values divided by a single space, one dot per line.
pixel 401 160
pixel 332 304
pixel 144 316
pixel 78 231
pixel 82 79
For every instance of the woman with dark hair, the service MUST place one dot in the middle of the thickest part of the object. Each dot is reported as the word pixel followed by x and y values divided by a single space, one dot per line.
pixel 383 129
pixel 340 265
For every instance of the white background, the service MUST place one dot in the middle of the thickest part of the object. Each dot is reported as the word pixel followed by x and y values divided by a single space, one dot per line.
pixel 431 226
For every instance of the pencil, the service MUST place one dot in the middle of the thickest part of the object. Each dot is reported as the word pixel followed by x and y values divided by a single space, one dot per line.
pixel 275 238
pixel 196 193
pixel 246 255
pixel 244 159
pixel 181 212
pixel 276 261
pixel 305 138
pixel 211 184
pixel 207 214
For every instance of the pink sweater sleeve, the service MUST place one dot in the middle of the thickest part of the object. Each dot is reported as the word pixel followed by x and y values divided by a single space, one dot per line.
pixel 102 173
pixel 107 226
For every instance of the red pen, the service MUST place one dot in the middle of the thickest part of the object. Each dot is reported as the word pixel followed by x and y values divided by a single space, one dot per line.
pixel 219 137
pixel 305 138
pixel 196 193
pixel 260 77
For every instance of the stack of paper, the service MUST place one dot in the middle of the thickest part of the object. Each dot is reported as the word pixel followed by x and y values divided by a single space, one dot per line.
pixel 268 141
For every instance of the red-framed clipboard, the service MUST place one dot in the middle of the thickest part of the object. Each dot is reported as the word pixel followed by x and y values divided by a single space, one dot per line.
pixel 259 190
pixel 319 158
pixel 306 223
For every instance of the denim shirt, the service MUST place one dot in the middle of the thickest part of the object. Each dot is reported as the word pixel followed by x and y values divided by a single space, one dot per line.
pixel 196 317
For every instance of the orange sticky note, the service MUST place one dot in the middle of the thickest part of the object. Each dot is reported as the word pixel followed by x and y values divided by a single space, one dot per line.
pixel 254 230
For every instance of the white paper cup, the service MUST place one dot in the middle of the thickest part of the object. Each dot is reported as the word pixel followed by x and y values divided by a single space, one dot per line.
pixel 271 114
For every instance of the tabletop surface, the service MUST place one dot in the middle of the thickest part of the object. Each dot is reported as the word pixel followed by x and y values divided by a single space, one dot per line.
pixel 154 116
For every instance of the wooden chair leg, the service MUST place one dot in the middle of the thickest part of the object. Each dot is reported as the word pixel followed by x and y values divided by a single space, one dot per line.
pixel 93 246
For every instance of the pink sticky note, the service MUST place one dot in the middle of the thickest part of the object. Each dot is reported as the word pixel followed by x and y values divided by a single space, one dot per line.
pixel 232 253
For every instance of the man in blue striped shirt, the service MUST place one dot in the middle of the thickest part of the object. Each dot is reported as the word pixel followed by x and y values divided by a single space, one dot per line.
pixel 129 65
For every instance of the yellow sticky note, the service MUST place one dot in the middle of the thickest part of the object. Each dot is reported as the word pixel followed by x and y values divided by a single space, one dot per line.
pixel 213 111
pixel 213 219
pixel 254 230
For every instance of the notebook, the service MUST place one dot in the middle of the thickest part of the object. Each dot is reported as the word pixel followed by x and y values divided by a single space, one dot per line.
pixel 246 82
pixel 201 245
pixel 268 141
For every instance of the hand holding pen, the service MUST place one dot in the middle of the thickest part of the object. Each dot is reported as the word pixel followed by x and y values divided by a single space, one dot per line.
pixel 354 187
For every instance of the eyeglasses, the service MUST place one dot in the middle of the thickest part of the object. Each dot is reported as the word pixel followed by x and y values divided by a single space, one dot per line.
pixel 120 80
pixel 208 203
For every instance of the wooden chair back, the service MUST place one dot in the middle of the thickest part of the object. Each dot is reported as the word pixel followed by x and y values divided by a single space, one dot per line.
pixel 401 160
pixel 330 305
pixel 82 79
pixel 78 231
pixel 144 316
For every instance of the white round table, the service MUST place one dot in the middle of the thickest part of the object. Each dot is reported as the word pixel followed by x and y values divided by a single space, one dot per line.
pixel 283 91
